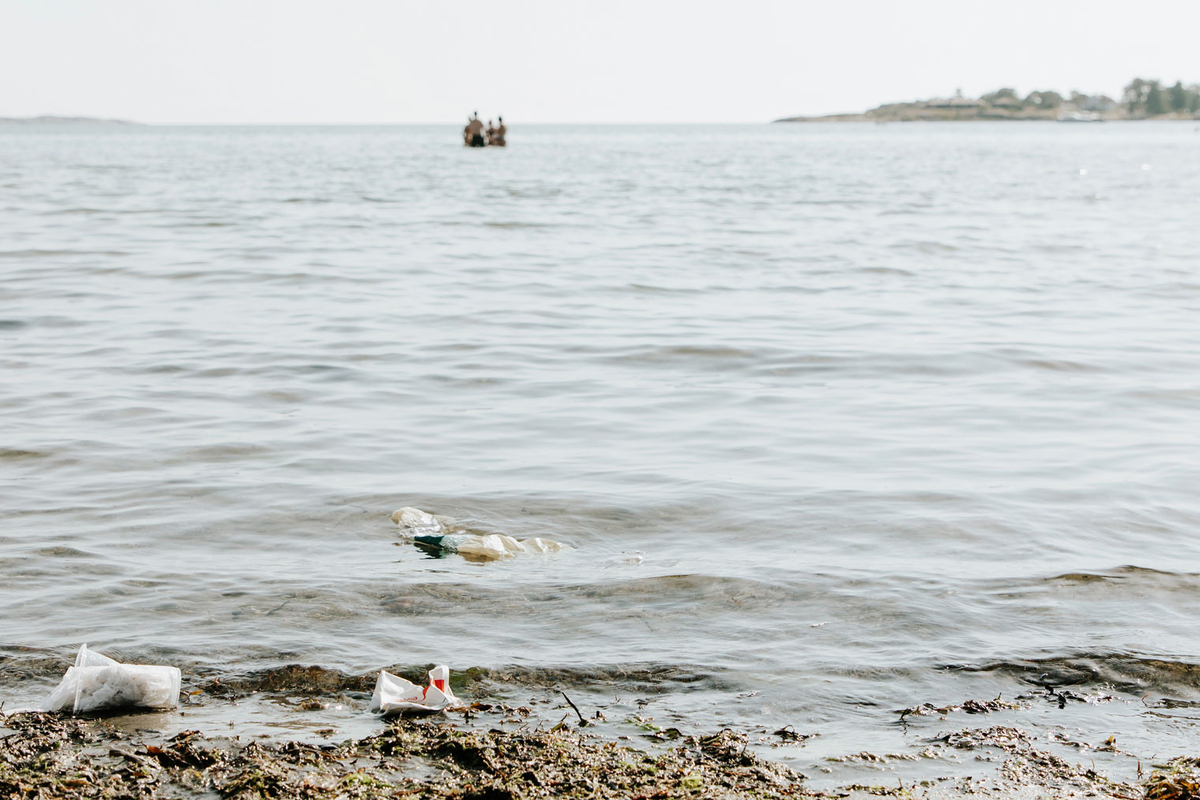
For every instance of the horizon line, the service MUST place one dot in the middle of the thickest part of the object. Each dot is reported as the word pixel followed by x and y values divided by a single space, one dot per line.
pixel 84 118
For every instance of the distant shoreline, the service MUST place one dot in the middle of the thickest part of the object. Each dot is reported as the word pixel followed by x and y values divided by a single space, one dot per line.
pixel 1142 99
pixel 49 119
pixel 868 116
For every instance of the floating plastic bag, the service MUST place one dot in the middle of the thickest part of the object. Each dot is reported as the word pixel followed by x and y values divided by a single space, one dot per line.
pixel 419 521
pixel 489 547
pixel 438 533
pixel 98 683
pixel 395 695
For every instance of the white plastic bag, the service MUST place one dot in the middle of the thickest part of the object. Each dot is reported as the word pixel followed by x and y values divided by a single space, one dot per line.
pixel 493 545
pixel 395 695
pixel 419 521
pixel 98 683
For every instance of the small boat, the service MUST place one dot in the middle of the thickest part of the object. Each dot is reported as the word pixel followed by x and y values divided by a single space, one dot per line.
pixel 481 141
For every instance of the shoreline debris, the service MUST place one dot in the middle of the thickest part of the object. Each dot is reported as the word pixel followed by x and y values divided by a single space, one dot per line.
pixel 98 683
pixel 395 695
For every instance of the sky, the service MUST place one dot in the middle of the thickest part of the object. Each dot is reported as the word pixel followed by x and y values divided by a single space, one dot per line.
pixel 603 61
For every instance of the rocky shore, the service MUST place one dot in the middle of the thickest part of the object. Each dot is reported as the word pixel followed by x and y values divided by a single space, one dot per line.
pixel 299 733
pixel 500 752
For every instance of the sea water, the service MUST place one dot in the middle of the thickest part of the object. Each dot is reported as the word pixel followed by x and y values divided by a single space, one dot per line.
pixel 836 419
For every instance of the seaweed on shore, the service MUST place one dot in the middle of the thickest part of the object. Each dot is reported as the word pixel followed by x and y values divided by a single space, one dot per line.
pixel 45 756
pixel 968 706
pixel 51 757
pixel 1177 780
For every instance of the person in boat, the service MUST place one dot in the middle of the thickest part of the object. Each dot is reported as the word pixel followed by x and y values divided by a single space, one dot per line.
pixel 501 131
pixel 473 133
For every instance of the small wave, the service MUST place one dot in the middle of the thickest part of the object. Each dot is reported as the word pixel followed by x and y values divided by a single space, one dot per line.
pixel 647 678
pixel 1123 573
pixel 925 247
pixel 220 453
pixel 655 355
pixel 297 679
pixel 1125 672
pixel 547 192
pixel 18 454
pixel 1187 398
pixel 51 253
pixel 642 287
pixel 888 271
pixel 1058 365
pixel 72 211
pixel 64 552
pixel 659 594
pixel 1083 577
pixel 316 680
pixel 1060 248
pixel 27 664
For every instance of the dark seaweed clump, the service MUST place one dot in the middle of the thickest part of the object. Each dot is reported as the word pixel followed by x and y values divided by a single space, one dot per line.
pixel 1177 780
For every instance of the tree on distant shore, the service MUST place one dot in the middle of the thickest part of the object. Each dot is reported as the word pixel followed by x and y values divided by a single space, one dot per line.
pixel 1002 97
pixel 1135 95
pixel 1156 100
pixel 1044 99
pixel 1179 98
pixel 1149 99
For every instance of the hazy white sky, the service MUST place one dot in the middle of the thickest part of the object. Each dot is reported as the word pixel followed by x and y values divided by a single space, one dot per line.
pixel 383 61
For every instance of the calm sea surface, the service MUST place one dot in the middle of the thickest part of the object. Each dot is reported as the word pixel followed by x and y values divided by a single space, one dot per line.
pixel 837 419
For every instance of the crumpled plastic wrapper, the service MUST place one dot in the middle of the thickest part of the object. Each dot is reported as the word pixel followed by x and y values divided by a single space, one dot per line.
pixel 97 684
pixel 395 695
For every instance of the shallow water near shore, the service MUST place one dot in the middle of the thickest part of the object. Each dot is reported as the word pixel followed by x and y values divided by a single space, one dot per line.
pixel 836 419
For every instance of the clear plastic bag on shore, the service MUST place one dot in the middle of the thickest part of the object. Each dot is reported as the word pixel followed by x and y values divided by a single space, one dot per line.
pixel 395 695
pixel 98 683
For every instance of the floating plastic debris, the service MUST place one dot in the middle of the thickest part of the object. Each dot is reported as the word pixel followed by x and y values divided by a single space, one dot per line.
pixel 489 547
pixel 632 558
pixel 98 683
pixel 438 534
pixel 420 521
pixel 395 695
